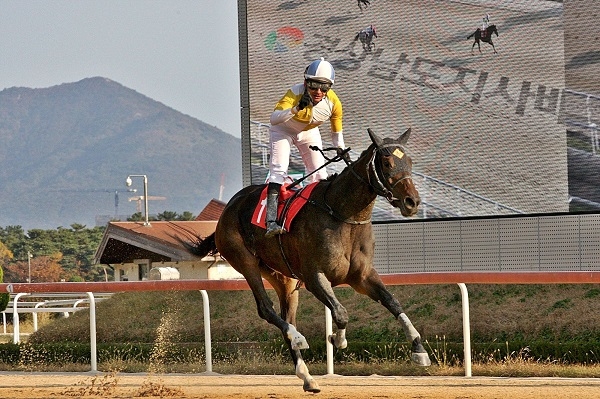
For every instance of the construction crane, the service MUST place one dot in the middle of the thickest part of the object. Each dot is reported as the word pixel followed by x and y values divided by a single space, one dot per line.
pixel 102 190
pixel 140 198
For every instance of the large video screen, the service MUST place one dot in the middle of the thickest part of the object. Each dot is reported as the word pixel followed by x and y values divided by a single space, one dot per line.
pixel 496 130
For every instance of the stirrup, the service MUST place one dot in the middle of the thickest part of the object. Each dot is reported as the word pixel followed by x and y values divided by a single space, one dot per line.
pixel 274 229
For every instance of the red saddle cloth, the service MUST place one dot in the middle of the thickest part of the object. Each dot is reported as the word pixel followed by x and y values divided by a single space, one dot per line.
pixel 483 32
pixel 298 198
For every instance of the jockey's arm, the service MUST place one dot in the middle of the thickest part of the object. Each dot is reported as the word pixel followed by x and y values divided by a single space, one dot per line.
pixel 284 108
pixel 337 136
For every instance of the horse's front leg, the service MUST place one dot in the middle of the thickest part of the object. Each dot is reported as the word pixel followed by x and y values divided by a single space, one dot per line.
pixel 376 290
pixel 321 288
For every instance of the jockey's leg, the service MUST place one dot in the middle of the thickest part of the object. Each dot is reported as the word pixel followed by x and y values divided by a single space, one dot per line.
pixel 278 166
pixel 273 228
pixel 280 148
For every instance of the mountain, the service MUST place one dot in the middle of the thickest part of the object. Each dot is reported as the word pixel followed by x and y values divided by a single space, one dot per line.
pixel 66 150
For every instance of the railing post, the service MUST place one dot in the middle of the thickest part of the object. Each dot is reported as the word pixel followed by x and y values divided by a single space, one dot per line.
pixel 35 318
pixel 93 351
pixel 328 344
pixel 207 338
pixel 466 328
pixel 16 327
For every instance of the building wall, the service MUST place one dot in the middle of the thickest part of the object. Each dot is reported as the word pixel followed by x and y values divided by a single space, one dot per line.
pixel 198 270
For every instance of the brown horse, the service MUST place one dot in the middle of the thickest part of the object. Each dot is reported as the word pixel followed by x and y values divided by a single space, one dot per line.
pixel 330 243
pixel 487 38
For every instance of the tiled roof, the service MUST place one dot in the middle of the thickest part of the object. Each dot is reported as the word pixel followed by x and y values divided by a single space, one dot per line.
pixel 212 211
pixel 161 241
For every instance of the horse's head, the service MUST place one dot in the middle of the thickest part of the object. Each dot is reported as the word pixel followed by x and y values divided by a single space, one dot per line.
pixel 493 29
pixel 393 173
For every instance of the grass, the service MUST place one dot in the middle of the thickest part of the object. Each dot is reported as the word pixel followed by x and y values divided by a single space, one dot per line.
pixel 514 313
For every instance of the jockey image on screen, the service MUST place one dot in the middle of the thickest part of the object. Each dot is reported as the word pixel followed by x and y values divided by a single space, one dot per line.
pixel 366 36
pixel 484 24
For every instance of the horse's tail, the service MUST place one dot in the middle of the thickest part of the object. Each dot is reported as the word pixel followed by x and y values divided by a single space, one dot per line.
pixel 356 37
pixel 202 247
pixel 471 35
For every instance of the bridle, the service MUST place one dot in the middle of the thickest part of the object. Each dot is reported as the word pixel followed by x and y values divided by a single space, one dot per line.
pixel 379 183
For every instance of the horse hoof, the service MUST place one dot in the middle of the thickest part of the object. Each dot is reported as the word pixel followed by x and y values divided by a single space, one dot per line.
pixel 340 345
pixel 300 343
pixel 421 359
pixel 311 386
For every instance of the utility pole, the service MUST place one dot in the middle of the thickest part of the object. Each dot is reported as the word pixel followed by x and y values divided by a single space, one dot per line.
pixel 29 256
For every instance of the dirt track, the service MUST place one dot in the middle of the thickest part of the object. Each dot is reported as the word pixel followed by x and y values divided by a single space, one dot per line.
pixel 67 385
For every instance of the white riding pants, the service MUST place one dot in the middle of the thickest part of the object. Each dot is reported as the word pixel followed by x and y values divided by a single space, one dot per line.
pixel 281 144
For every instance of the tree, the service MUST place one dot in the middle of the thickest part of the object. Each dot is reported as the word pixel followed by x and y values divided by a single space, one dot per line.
pixel 43 269
pixel 186 215
pixel 5 254
pixel 164 216
pixel 167 215
pixel 72 248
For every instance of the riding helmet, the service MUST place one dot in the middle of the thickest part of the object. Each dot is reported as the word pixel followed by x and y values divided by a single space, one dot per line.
pixel 320 71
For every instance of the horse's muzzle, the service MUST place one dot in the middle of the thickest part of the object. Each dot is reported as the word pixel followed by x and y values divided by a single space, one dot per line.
pixel 409 205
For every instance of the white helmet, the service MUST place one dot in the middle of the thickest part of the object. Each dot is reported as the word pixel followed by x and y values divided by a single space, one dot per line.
pixel 320 71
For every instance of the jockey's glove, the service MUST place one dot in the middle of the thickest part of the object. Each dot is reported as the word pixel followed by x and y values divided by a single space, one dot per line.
pixel 305 101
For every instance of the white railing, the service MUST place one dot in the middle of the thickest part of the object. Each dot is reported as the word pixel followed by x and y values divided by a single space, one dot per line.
pixel 460 278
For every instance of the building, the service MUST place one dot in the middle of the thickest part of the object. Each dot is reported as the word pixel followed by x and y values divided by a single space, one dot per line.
pixel 137 252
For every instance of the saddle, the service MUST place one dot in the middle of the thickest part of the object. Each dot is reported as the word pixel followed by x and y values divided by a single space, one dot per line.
pixel 289 204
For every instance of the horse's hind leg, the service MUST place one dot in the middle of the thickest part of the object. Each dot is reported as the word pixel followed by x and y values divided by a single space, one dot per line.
pixel 287 292
pixel 376 290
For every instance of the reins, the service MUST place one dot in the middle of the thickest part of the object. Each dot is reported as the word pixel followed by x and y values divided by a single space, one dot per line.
pixel 379 187
pixel 337 158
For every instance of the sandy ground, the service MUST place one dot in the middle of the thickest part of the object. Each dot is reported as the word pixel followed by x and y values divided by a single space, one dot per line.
pixel 16 385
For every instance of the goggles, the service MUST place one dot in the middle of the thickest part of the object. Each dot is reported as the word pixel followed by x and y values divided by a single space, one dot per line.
pixel 313 85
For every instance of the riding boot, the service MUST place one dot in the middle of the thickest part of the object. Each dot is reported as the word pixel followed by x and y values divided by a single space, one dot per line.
pixel 273 228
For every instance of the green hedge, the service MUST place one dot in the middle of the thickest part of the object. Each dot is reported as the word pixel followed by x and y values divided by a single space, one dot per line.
pixel 450 353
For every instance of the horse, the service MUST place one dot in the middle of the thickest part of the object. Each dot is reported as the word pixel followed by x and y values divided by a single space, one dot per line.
pixel 487 38
pixel 330 242
pixel 366 37
pixel 365 2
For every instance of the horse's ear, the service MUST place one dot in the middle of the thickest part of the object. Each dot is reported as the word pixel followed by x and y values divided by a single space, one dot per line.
pixel 404 137
pixel 375 138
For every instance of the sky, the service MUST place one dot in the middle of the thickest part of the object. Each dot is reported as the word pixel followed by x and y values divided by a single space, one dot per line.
pixel 182 53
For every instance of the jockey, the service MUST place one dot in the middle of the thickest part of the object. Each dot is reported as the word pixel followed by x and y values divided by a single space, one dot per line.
pixel 370 31
pixel 486 22
pixel 296 121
